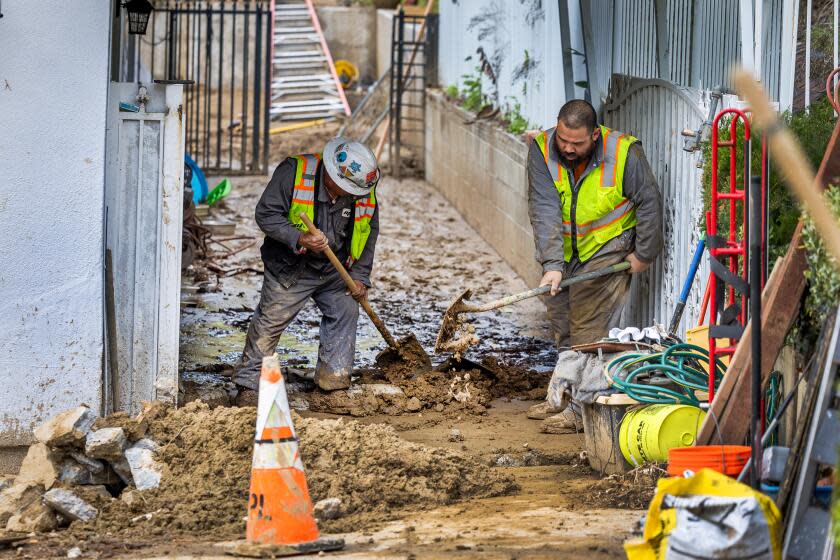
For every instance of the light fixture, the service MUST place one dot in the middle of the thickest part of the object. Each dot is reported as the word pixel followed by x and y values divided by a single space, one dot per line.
pixel 138 15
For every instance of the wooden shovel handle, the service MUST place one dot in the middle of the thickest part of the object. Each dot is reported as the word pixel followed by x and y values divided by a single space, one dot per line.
pixel 351 285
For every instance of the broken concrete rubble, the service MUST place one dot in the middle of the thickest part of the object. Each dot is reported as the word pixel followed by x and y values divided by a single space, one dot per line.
pixel 107 443
pixel 16 498
pixel 145 470
pixel 329 508
pixel 35 518
pixel 92 465
pixel 75 473
pixel 123 470
pixel 131 497
pixel 70 505
pixel 68 428
pixel 40 466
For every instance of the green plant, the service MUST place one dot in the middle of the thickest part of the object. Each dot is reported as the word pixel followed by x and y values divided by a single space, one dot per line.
pixel 452 92
pixel 474 98
pixel 823 279
pixel 516 123
pixel 812 129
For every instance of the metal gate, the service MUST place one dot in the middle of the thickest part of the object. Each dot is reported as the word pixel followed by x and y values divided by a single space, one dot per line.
pixel 413 62
pixel 224 50
pixel 656 112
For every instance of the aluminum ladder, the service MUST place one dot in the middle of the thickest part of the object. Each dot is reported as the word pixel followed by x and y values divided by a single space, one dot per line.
pixel 808 532
pixel 304 83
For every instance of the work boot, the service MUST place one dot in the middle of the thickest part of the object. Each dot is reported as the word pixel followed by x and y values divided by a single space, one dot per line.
pixel 541 411
pixel 246 397
pixel 332 380
pixel 567 422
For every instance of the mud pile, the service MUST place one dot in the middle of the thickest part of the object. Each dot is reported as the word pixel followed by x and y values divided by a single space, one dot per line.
pixel 206 455
pixel 631 490
pixel 401 388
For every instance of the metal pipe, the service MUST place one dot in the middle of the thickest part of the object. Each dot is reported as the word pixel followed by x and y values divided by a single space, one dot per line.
pixel 689 281
pixel 755 320
pixel 808 9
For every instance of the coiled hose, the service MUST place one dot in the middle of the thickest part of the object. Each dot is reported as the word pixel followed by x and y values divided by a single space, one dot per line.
pixel 667 377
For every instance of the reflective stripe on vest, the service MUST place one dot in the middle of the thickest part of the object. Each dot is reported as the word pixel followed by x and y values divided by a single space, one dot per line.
pixel 303 200
pixel 601 212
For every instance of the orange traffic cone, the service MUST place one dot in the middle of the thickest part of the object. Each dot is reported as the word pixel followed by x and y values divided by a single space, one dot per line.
pixel 280 510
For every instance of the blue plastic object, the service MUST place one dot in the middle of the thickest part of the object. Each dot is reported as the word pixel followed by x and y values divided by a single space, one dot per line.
pixel 199 181
pixel 821 493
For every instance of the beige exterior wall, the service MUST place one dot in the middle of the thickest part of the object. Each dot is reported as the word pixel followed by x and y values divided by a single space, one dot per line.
pixel 481 170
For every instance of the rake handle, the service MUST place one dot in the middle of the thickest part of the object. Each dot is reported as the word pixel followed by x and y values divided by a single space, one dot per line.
pixel 351 285
pixel 612 269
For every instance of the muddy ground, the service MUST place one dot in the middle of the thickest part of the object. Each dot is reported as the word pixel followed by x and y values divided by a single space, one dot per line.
pixel 537 498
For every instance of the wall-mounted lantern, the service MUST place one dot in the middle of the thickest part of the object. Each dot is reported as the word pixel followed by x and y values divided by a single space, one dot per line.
pixel 138 15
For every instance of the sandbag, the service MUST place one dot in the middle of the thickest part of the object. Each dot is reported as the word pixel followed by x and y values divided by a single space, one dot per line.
pixel 708 516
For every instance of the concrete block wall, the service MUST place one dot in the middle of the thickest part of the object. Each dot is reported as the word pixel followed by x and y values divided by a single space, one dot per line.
pixel 351 35
pixel 481 170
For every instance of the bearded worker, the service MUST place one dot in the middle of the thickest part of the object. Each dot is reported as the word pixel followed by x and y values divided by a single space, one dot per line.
pixel 593 202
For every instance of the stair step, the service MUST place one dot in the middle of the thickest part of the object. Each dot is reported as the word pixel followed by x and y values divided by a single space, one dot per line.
pixel 293 30
pixel 296 40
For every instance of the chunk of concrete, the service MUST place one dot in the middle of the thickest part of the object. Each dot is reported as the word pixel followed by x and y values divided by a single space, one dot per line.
pixel 16 498
pixel 6 481
pixel 107 443
pixel 73 473
pixel 68 428
pixel 455 435
pixel 413 404
pixel 145 470
pixel 123 470
pixel 131 497
pixel 36 518
pixel 70 505
pixel 41 466
pixel 94 466
pixel 329 508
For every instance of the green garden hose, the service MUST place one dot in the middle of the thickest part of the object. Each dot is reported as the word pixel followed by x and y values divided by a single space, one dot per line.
pixel 773 394
pixel 643 376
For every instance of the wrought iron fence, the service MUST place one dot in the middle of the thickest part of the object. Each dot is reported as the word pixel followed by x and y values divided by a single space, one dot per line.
pixel 224 49
pixel 413 58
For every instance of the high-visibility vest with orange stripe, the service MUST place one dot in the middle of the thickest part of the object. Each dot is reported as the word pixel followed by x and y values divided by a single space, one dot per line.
pixel 303 200
pixel 600 210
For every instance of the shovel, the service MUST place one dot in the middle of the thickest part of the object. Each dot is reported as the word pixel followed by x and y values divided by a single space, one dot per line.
pixel 451 322
pixel 408 349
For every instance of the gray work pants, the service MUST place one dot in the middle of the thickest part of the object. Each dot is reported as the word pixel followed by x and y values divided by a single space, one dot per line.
pixel 586 312
pixel 278 307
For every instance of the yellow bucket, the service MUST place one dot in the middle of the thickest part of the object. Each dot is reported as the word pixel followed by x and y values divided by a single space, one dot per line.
pixel 646 434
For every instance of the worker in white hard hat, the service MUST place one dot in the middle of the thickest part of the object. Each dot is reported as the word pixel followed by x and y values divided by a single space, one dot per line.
pixel 336 190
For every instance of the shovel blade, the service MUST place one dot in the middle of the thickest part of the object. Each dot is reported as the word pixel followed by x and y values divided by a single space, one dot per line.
pixel 449 324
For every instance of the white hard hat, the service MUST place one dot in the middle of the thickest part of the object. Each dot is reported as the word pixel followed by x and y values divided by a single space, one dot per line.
pixel 351 165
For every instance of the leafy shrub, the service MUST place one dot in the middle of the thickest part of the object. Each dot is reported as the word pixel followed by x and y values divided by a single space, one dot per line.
pixel 823 279
pixel 516 123
pixel 474 98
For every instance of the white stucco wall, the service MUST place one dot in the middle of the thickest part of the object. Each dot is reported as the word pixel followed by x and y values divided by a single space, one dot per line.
pixel 53 83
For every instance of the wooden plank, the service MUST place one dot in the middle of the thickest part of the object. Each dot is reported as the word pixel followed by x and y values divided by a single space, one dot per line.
pixel 779 307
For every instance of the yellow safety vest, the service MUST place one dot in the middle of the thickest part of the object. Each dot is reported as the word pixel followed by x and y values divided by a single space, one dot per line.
pixel 600 210
pixel 303 200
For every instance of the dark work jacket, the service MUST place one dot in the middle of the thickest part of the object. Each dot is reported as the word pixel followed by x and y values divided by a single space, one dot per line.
pixel 280 252
pixel 639 186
